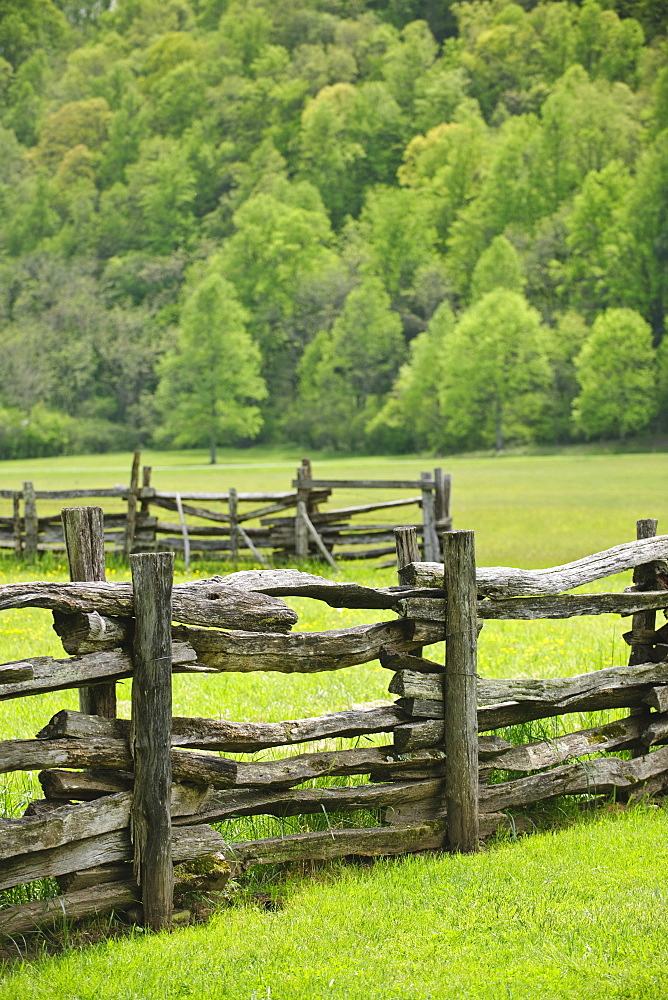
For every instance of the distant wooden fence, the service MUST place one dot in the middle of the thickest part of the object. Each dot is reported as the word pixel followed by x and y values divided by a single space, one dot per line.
pixel 147 789
pixel 308 532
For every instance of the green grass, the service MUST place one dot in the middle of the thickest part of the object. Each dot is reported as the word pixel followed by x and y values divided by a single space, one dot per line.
pixel 576 913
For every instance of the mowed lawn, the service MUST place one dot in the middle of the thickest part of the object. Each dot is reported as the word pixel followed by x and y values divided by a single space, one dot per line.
pixel 574 912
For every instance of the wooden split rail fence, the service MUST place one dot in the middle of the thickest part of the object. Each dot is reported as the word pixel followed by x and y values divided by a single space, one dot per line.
pixel 253 521
pixel 124 800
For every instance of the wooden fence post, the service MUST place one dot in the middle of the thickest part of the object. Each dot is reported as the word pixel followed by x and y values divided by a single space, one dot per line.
pixel 644 577
pixel 83 528
pixel 408 551
pixel 16 524
pixel 31 523
pixel 233 508
pixel 150 734
pixel 301 530
pixel 430 546
pixel 145 508
pixel 460 690
pixel 131 522
pixel 184 532
pixel 442 495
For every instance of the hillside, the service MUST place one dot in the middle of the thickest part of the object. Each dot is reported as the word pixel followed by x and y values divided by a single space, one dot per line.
pixel 391 226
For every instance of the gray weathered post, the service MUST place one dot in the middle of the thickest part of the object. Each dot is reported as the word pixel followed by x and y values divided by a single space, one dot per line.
pixel 83 528
pixel 301 529
pixel 405 540
pixel 443 492
pixel 460 689
pixel 233 504
pixel 429 538
pixel 131 522
pixel 31 523
pixel 644 577
pixel 16 524
pixel 145 508
pixel 150 734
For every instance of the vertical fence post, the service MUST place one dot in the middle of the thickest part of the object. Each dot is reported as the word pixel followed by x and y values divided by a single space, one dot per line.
pixel 408 551
pixel 442 493
pixel 150 734
pixel 645 577
pixel 233 506
pixel 131 523
pixel 430 546
pixel 301 530
pixel 145 508
pixel 460 690
pixel 184 532
pixel 83 528
pixel 31 523
pixel 16 524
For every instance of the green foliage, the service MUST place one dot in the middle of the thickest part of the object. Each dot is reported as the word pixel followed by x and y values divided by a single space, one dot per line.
pixel 411 419
pixel 617 376
pixel 496 373
pixel 302 149
pixel 346 372
pixel 211 381
pixel 498 267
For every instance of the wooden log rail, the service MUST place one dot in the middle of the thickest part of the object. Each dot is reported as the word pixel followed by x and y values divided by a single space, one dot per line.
pixel 217 532
pixel 502 581
pixel 431 784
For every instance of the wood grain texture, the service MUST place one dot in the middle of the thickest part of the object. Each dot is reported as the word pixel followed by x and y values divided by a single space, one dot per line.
pixel 430 542
pixel 187 843
pixel 203 602
pixel 83 786
pixel 83 534
pixel 57 675
pixel 459 691
pixel 305 801
pixel 533 608
pixel 67 823
pixel 300 652
pixel 110 754
pixel 150 734
pixel 294 583
pixel 373 842
pixel 591 777
pixel 504 581
pixel 514 701
pixel 25 918
pixel 30 521
pixel 260 775
pixel 237 737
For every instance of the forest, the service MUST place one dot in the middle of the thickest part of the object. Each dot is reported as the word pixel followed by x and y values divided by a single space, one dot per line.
pixel 392 225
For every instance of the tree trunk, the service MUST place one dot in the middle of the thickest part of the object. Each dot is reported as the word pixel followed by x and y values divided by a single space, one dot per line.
pixel 212 447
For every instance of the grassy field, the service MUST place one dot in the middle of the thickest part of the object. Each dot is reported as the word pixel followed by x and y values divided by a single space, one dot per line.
pixel 572 913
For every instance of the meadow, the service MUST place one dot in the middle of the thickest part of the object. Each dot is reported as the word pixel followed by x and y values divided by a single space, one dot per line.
pixel 574 911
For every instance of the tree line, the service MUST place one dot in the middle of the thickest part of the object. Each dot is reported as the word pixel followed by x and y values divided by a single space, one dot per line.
pixel 367 226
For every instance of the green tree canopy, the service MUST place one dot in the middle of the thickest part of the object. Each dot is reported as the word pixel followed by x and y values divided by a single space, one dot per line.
pixel 345 372
pixel 211 380
pixel 496 373
pixel 616 371
pixel 498 266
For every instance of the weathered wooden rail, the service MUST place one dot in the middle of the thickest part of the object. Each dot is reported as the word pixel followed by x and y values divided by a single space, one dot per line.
pixel 290 524
pixel 145 790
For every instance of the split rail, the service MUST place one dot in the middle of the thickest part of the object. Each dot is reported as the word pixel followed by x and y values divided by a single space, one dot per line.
pixel 288 524
pixel 124 800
